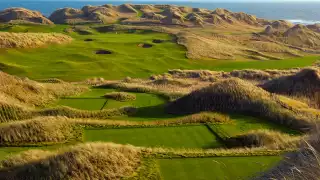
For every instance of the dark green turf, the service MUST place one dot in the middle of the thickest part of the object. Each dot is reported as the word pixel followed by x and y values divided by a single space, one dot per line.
pixel 93 100
pixel 243 124
pixel 176 137
pixel 220 168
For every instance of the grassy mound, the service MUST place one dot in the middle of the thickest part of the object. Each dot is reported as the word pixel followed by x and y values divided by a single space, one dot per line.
pixel 27 92
pixel 13 15
pixel 31 40
pixel 305 83
pixel 237 96
pixel 120 96
pixel 38 131
pixel 263 138
pixel 86 161
pixel 75 113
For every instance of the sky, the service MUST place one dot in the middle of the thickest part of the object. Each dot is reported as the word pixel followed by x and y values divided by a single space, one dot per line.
pixel 202 0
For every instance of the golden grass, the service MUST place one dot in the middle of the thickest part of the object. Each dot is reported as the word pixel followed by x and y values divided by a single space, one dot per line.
pixel 199 47
pixel 84 161
pixel 38 131
pixel 238 96
pixel 265 138
pixel 201 118
pixel 76 113
pixel 120 96
pixel 305 84
pixel 31 40
pixel 31 93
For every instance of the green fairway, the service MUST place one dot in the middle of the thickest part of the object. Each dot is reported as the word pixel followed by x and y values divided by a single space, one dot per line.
pixel 226 168
pixel 78 61
pixel 175 137
pixel 243 124
pixel 93 100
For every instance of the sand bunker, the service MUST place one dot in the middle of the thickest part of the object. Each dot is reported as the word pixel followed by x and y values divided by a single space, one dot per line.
pixel 143 45
pixel 158 41
pixel 103 52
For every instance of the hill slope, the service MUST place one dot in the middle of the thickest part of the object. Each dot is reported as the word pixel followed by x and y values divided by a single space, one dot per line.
pixel 237 96
pixel 22 15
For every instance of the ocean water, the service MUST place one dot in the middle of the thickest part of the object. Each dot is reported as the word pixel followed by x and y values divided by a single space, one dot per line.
pixel 296 12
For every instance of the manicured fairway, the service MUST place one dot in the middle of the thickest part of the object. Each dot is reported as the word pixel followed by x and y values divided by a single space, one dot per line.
pixel 78 61
pixel 93 100
pixel 243 124
pixel 176 137
pixel 220 168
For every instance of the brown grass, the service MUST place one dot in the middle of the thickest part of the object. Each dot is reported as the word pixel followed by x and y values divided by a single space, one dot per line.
pixel 30 93
pixel 85 161
pixel 31 40
pixel 201 118
pixel 12 15
pixel 38 131
pixel 237 96
pixel 305 83
pixel 264 138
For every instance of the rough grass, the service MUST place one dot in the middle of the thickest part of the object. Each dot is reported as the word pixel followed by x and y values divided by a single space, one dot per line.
pixel 267 138
pixel 38 132
pixel 92 160
pixel 238 96
pixel 201 118
pixel 31 40
pixel 120 96
pixel 303 164
pixel 305 83
pixel 30 93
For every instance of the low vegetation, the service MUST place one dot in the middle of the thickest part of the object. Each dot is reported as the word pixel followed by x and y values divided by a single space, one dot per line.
pixel 305 84
pixel 38 132
pixel 120 96
pixel 238 96
pixel 267 138
pixel 31 40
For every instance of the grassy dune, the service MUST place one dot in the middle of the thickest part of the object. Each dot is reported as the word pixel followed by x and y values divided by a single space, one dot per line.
pixel 95 160
pixel 31 40
pixel 38 132
pixel 238 96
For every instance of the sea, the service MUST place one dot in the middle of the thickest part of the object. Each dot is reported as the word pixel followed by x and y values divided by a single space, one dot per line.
pixel 296 12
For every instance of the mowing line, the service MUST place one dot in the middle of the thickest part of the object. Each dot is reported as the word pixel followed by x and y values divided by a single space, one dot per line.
pixel 105 103
pixel 218 135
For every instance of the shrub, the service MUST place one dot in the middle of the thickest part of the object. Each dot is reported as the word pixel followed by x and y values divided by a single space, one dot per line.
pixel 120 96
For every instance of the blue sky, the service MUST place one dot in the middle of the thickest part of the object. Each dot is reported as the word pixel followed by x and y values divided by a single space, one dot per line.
pixel 202 0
